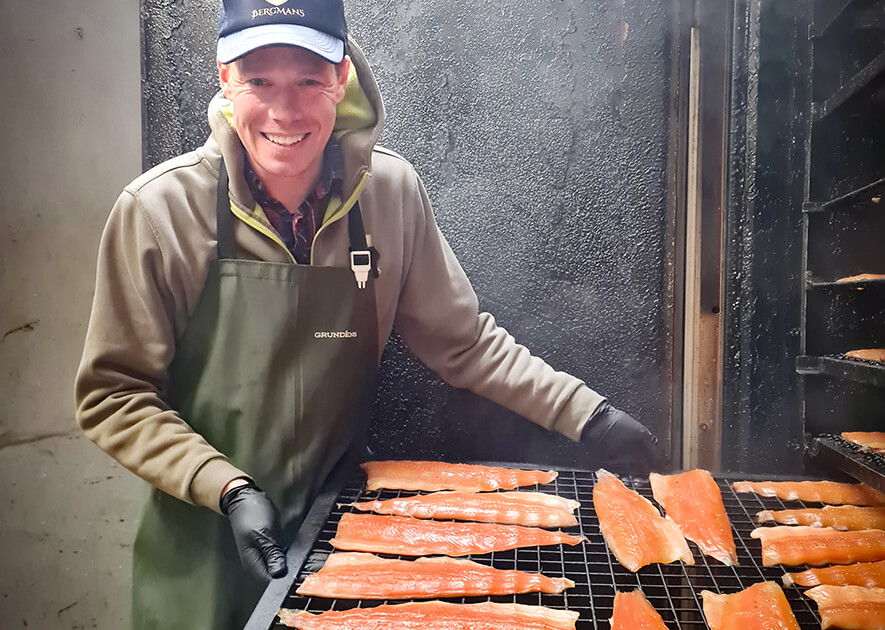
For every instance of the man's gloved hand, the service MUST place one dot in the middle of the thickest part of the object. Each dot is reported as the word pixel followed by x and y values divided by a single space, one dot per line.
pixel 256 526
pixel 619 443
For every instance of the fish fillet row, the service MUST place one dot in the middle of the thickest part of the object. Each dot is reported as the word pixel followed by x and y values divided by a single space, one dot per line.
pixel 870 574
pixel 849 517
pixel 762 606
pixel 533 509
pixel 849 607
pixel 633 612
pixel 428 615
pixel 814 492
pixel 868 354
pixel 692 500
pixel 632 527
pixel 817 546
pixel 365 576
pixel 433 476
pixel 404 536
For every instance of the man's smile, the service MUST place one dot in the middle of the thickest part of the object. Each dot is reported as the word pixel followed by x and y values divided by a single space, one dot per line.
pixel 285 141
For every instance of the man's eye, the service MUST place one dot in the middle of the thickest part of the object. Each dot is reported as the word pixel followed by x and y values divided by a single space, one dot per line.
pixel 256 82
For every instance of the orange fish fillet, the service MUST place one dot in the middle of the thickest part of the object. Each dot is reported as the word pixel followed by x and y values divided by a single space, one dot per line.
pixel 838 517
pixel 404 536
pixel 817 546
pixel 633 612
pixel 868 354
pixel 862 276
pixel 849 607
pixel 874 440
pixel 762 606
pixel 427 615
pixel 870 574
pixel 364 576
pixel 633 528
pixel 692 500
pixel 814 491
pixel 432 476
pixel 514 508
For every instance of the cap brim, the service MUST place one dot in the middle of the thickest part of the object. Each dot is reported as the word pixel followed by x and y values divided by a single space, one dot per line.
pixel 235 45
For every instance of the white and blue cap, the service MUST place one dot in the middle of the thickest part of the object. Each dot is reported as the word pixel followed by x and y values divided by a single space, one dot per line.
pixel 317 25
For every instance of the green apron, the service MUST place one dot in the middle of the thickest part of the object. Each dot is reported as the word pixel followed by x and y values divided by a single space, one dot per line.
pixel 252 375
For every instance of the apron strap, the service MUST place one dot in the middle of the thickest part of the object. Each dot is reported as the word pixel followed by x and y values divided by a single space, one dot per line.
pixel 357 234
pixel 224 218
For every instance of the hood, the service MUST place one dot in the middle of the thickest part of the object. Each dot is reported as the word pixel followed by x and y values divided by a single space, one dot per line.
pixel 359 121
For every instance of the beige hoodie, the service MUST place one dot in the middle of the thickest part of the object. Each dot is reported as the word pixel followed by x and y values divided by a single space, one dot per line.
pixel 154 257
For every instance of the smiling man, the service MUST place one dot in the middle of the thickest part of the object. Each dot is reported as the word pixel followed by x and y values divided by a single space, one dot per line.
pixel 240 314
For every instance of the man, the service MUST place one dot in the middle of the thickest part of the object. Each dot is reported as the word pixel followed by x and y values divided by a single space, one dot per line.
pixel 239 316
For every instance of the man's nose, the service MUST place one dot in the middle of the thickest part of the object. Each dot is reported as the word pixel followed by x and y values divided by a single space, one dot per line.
pixel 287 106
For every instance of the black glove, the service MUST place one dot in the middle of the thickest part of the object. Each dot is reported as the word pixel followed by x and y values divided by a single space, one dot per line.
pixel 256 526
pixel 619 443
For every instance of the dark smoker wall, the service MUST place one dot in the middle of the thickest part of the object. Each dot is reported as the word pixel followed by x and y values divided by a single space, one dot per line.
pixel 545 135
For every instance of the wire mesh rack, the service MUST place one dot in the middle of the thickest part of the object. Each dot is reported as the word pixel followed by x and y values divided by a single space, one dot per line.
pixel 674 590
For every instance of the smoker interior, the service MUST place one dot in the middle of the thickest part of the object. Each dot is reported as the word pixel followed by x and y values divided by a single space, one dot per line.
pixel 843 225
pixel 674 590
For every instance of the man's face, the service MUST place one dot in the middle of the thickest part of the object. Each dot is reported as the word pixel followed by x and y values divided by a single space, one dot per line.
pixel 284 101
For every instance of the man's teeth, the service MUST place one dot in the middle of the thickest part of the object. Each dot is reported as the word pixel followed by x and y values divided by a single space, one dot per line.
pixel 285 141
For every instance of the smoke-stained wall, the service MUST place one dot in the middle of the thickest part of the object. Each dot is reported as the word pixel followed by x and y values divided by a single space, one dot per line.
pixel 545 137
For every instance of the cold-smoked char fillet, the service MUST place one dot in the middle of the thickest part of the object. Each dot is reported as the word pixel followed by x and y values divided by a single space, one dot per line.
pixel 868 354
pixel 762 606
pixel 869 574
pixel 633 612
pixel 632 527
pixel 533 509
pixel 366 576
pixel 873 440
pixel 433 476
pixel 830 492
pixel 431 615
pixel 817 546
pixel 849 517
pixel 849 607
pixel 692 500
pixel 862 276
pixel 399 535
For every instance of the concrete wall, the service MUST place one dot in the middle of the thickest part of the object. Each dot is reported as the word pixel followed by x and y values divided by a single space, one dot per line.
pixel 71 140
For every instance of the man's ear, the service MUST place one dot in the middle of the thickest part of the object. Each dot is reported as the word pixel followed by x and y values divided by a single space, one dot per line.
pixel 224 70
pixel 342 70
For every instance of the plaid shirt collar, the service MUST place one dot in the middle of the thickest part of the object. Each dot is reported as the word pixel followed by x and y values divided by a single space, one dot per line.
pixel 298 229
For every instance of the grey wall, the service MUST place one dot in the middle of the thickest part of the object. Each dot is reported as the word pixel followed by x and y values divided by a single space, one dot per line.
pixel 71 141
pixel 543 133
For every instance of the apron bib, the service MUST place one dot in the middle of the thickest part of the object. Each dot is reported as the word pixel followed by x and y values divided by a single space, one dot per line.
pixel 276 370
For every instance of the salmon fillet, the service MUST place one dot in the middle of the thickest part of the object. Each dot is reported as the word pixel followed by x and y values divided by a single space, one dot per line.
pixel 849 517
pixel 762 606
pixel 692 500
pixel 429 615
pixel 873 440
pixel 365 576
pixel 399 535
pixel 633 612
pixel 868 354
pixel 632 527
pixel 862 276
pixel 433 476
pixel 849 607
pixel 814 492
pixel 533 509
pixel 817 546
pixel 870 574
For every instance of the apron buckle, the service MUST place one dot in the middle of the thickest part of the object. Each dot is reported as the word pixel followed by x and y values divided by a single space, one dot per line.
pixel 361 265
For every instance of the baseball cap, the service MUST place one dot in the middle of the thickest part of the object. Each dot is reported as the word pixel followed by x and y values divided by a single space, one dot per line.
pixel 317 25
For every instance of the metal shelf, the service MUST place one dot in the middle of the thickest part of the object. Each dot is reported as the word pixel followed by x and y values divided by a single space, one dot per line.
pixel 868 372
pixel 854 284
pixel 866 77
pixel 844 16
pixel 869 194
pixel 860 463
